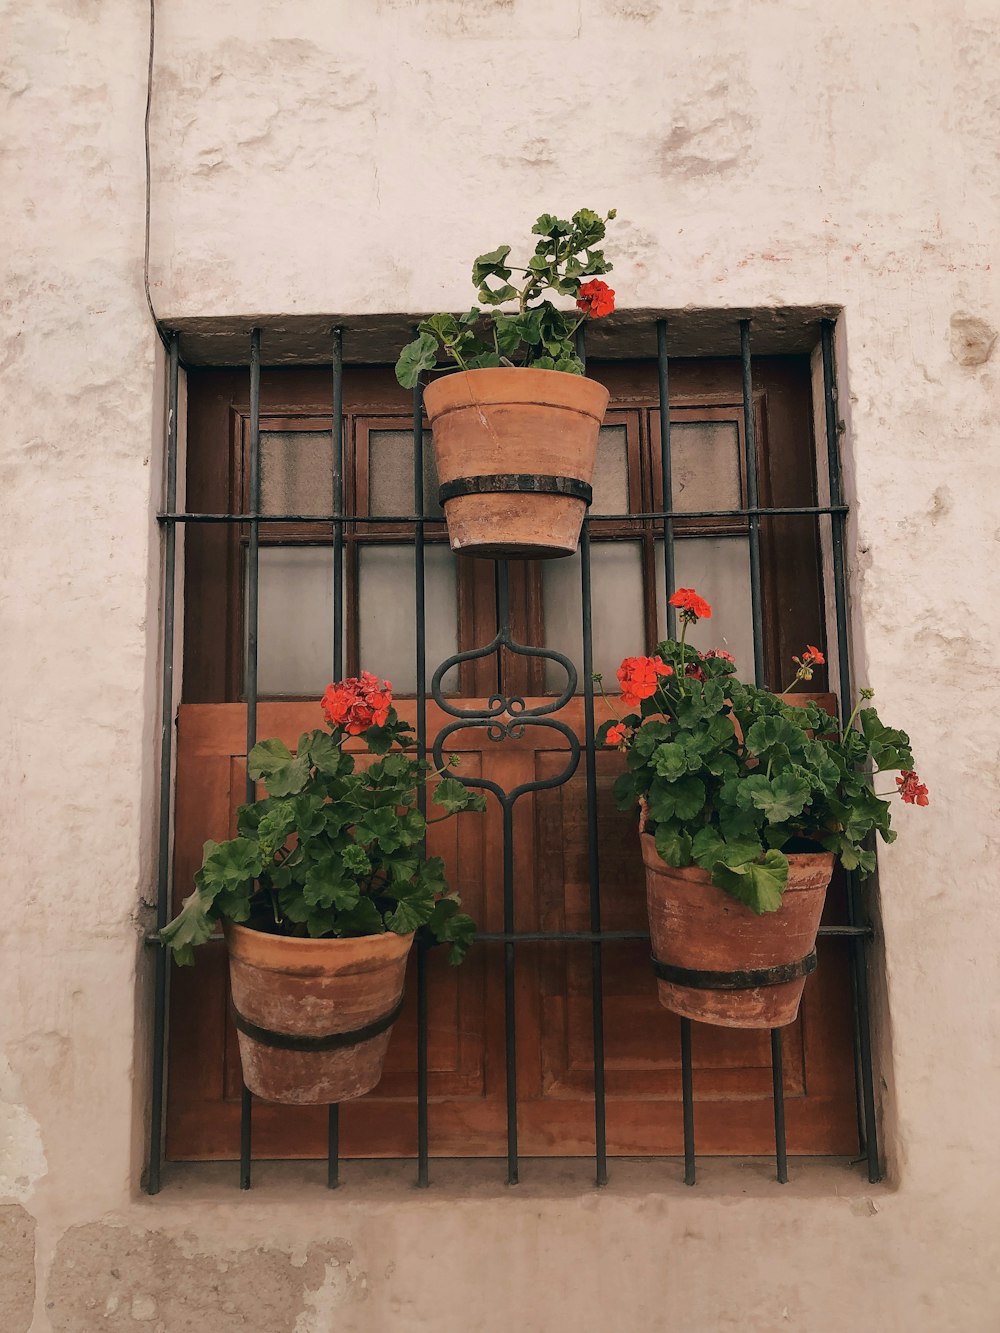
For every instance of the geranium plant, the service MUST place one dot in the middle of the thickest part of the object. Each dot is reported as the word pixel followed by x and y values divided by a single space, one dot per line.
pixel 730 777
pixel 333 849
pixel 530 330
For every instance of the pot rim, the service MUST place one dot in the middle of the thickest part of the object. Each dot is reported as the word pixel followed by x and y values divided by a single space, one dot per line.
pixel 493 385
pixel 796 860
pixel 248 945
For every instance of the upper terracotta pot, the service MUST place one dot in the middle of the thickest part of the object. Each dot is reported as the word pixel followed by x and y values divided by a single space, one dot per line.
pixel 696 926
pixel 308 990
pixel 508 425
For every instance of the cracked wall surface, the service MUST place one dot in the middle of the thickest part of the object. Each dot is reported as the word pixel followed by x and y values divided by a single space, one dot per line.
pixel 330 158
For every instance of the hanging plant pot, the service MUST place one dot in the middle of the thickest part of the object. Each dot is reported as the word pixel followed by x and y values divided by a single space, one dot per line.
pixel 515 452
pixel 314 1017
pixel 717 961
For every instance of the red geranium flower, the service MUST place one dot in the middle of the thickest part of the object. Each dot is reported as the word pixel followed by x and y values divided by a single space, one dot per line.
pixel 721 652
pixel 812 656
pixel 639 677
pixel 911 789
pixel 618 734
pixel 355 704
pixel 596 298
pixel 692 607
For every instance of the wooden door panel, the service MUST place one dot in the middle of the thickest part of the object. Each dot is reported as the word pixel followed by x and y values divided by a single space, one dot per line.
pixel 554 1008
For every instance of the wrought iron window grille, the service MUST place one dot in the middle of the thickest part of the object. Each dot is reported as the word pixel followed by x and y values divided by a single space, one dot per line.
pixel 507 716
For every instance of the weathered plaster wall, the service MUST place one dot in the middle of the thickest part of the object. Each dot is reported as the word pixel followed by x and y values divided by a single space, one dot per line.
pixel 329 157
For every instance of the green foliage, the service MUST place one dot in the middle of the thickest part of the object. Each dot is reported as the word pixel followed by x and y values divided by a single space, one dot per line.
pixel 536 333
pixel 732 777
pixel 332 850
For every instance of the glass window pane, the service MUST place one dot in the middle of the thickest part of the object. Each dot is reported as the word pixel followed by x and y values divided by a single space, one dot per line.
pixel 387 614
pixel 616 592
pixel 611 472
pixel 390 473
pixel 719 569
pixel 295 620
pixel 296 472
pixel 705 465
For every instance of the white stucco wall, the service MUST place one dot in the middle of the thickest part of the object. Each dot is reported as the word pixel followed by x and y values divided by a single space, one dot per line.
pixel 325 157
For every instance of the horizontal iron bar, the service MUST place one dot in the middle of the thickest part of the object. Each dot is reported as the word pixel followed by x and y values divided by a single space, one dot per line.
pixel 591 936
pixel 768 511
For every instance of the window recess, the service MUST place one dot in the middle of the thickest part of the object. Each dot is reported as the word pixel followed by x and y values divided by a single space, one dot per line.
pixel 549 1040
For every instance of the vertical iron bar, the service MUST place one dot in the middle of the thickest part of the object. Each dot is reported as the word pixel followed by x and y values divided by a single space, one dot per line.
pixel 855 904
pixel 778 1086
pixel 420 594
pixel 338 503
pixel 250 665
pixel 253 550
pixel 166 759
pixel 509 993
pixel 337 446
pixel 593 863
pixel 687 1094
pixel 246 1125
pixel 510 1033
pixel 750 432
pixel 666 474
pixel 333 1145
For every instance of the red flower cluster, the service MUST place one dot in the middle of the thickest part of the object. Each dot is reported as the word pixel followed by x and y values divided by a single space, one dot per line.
pixel 812 656
pixel 721 652
pixel 596 299
pixel 618 734
pixel 639 677
pixel 694 671
pixel 692 607
pixel 356 704
pixel 911 789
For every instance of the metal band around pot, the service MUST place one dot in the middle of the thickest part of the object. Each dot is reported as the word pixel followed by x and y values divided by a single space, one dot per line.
pixel 525 483
pixel 332 1041
pixel 747 979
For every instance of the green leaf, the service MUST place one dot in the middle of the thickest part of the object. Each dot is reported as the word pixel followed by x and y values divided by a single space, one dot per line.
pixel 442 327
pixel 229 868
pixel 707 847
pixel 682 799
pixel 759 884
pixel 356 860
pixel 362 919
pixel 547 225
pixel 379 826
pixel 491 264
pixel 192 926
pixel 411 912
pixel 283 773
pixel 324 753
pixel 449 925
pixel 416 357
pixel 670 760
pixel 453 796
pixel 327 884
pixel 673 845
pixel 783 797
pixel 773 733
pixel 504 293
pixel 889 747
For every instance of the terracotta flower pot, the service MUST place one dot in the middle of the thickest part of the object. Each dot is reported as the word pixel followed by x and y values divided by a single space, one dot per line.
pixel 515 453
pixel 314 1016
pixel 750 970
